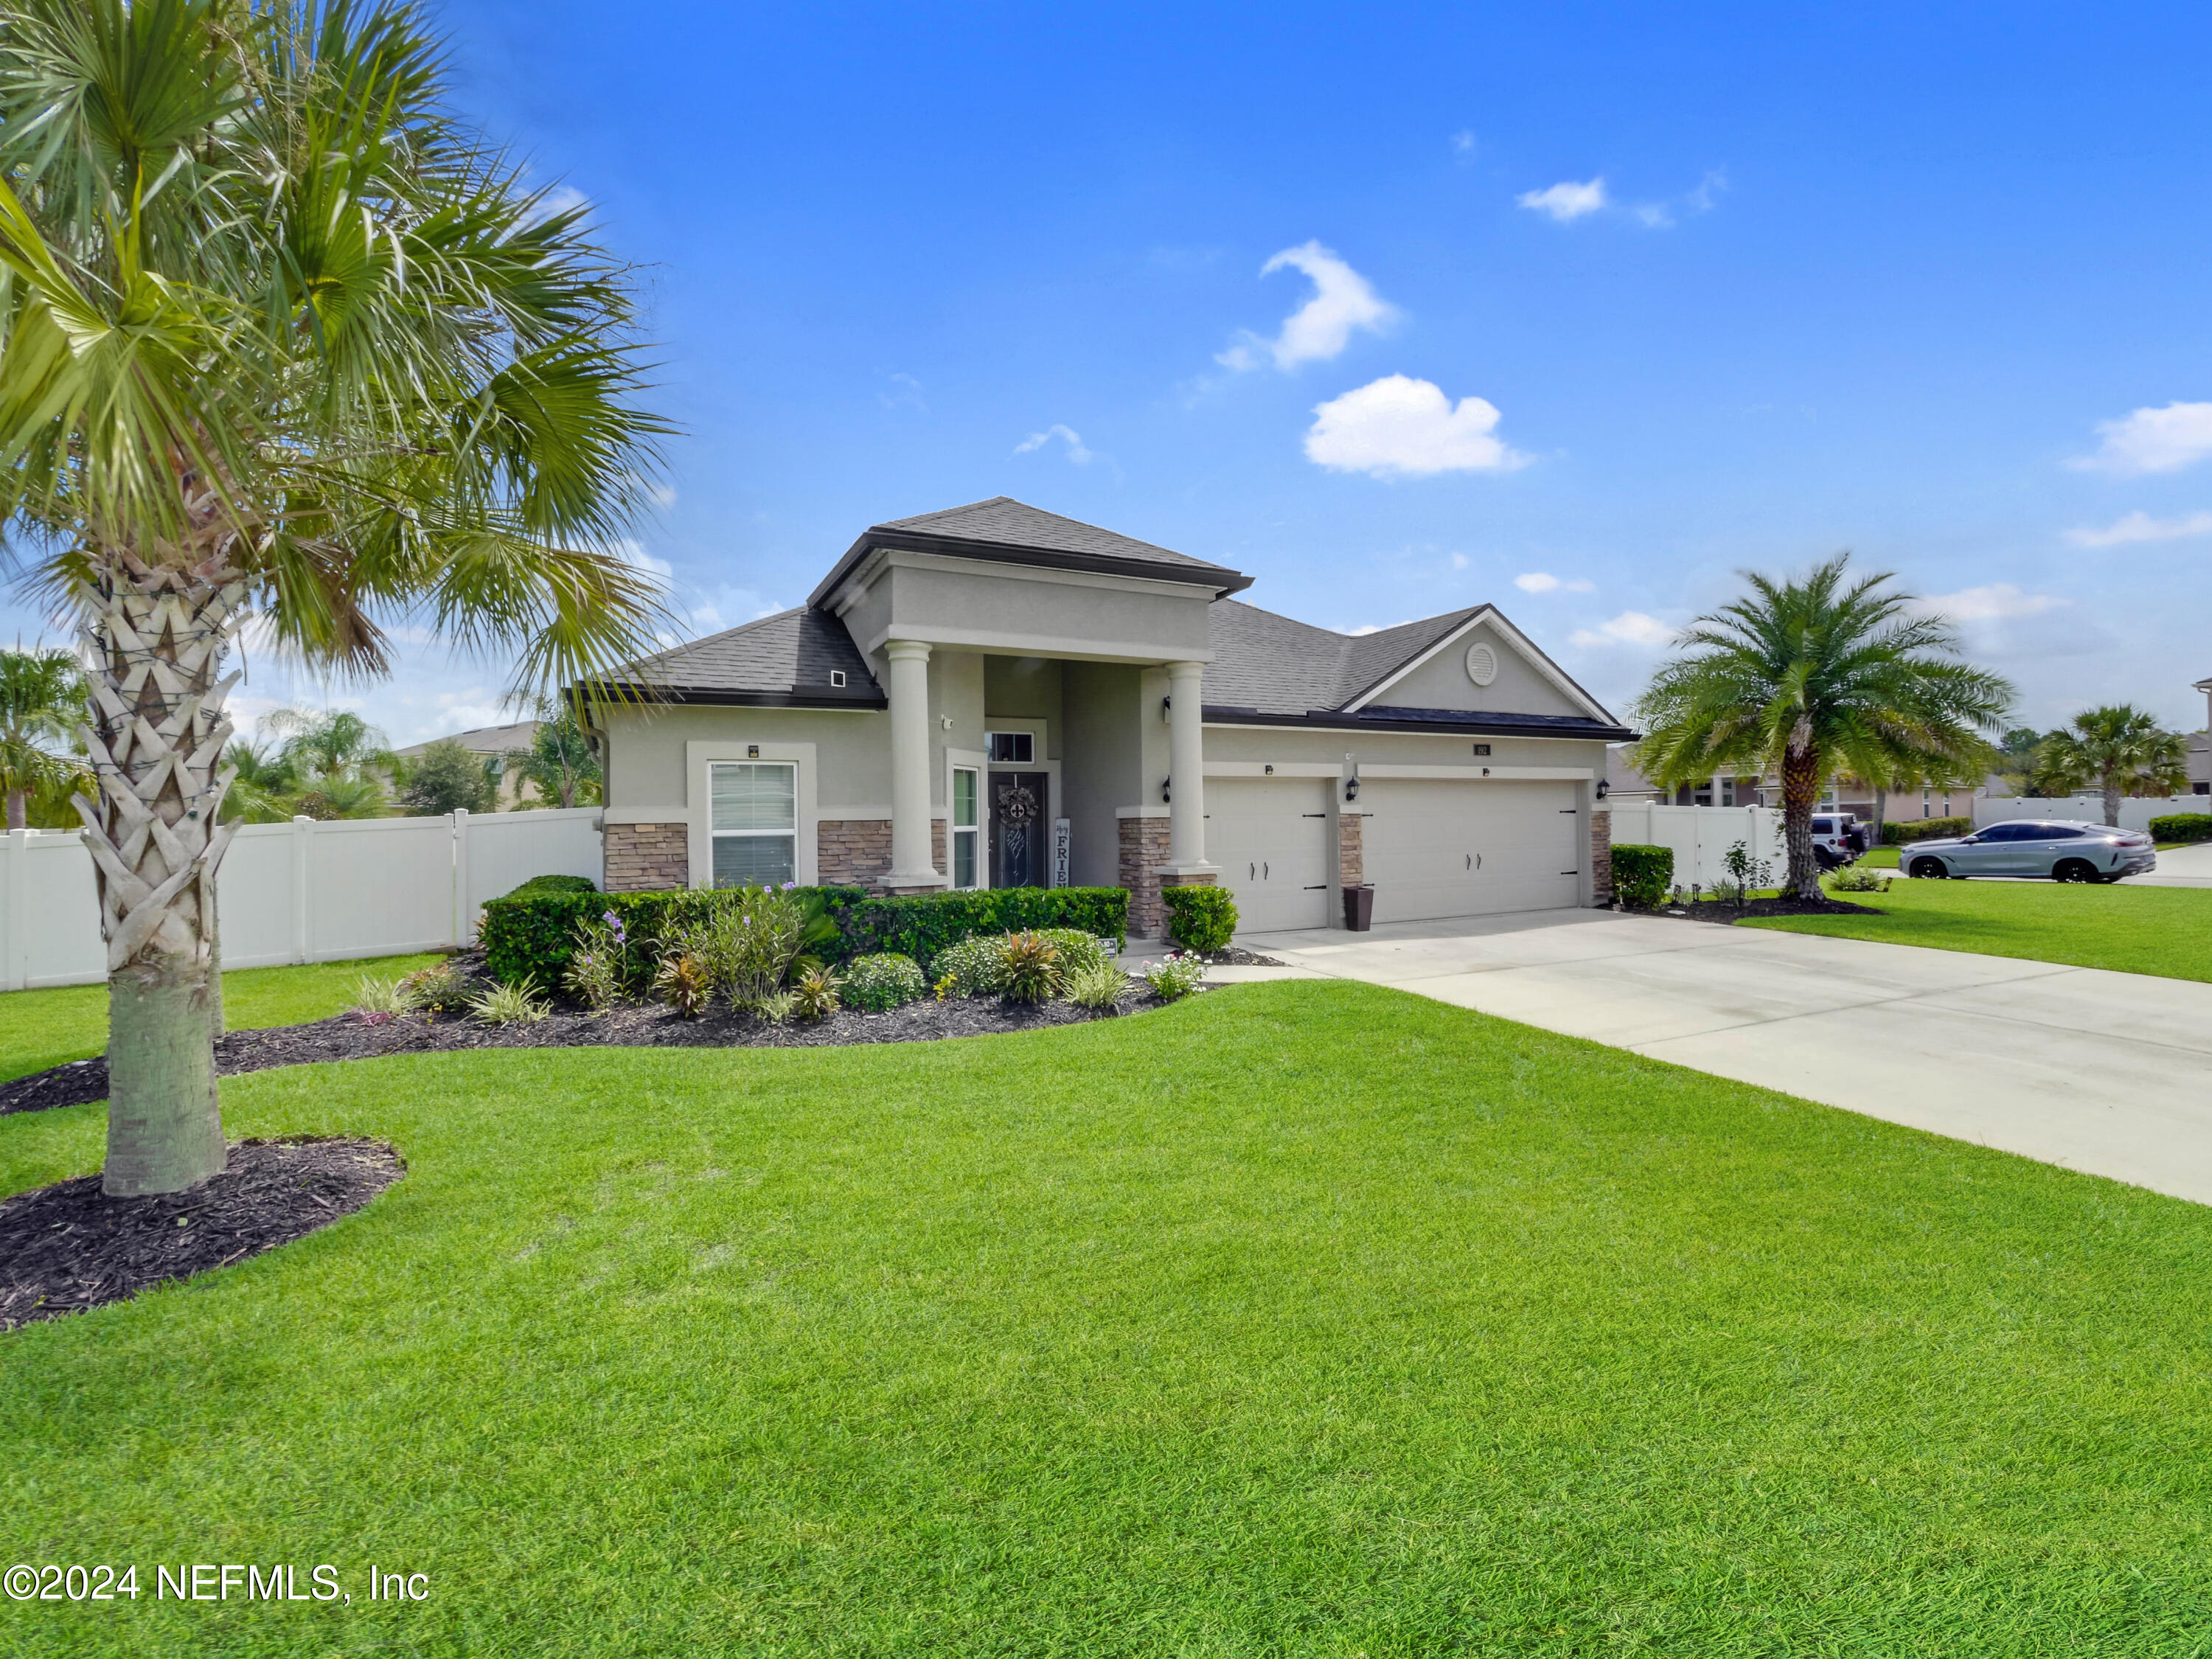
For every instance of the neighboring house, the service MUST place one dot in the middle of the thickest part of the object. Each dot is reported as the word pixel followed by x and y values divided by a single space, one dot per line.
pixel 994 695
pixel 2200 746
pixel 494 744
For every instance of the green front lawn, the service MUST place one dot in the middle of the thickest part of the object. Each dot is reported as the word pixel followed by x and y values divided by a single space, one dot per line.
pixel 38 1029
pixel 2166 931
pixel 1303 1318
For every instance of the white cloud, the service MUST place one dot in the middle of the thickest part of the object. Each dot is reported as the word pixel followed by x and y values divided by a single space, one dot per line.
pixel 562 198
pixel 1459 561
pixel 905 393
pixel 1317 331
pixel 1463 145
pixel 1543 582
pixel 1567 200
pixel 1076 452
pixel 651 563
pixel 1374 627
pixel 663 495
pixel 1993 603
pixel 1629 628
pixel 2142 527
pixel 2151 441
pixel 1397 427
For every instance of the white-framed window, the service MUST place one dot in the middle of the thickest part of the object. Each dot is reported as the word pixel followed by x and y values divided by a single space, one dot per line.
pixel 1012 748
pixel 966 825
pixel 754 820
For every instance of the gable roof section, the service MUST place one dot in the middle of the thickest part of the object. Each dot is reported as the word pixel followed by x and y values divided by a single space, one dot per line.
pixel 1276 670
pixel 780 661
pixel 1007 532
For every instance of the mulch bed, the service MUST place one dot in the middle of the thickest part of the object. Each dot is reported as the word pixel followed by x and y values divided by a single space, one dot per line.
pixel 349 1036
pixel 1234 956
pixel 1729 914
pixel 68 1246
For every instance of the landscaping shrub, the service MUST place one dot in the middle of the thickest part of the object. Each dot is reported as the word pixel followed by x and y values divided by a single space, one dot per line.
pixel 440 989
pixel 1200 918
pixel 1175 978
pixel 682 984
pixel 1029 969
pixel 924 928
pixel 599 968
pixel 745 945
pixel 1898 835
pixel 2182 826
pixel 1078 950
pixel 1642 875
pixel 510 1004
pixel 536 935
pixel 814 994
pixel 1859 879
pixel 883 982
pixel 544 886
pixel 971 968
pixel 1095 984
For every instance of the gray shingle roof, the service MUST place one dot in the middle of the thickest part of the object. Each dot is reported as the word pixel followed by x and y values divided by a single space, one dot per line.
pixel 787 656
pixel 1003 520
pixel 1275 665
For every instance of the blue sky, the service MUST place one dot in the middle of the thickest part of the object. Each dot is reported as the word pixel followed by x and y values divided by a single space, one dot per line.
pixel 1728 286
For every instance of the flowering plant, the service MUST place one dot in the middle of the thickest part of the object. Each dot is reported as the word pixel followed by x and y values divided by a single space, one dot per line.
pixel 1175 978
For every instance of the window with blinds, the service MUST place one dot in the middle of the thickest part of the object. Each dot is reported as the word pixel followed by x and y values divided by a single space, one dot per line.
pixel 755 821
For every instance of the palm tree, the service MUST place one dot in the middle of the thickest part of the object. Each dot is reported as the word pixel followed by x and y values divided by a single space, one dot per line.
pixel 41 701
pixel 2120 749
pixel 330 757
pixel 1808 676
pixel 280 338
pixel 559 764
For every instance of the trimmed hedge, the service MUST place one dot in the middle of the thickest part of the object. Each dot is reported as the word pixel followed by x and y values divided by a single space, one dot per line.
pixel 921 927
pixel 1201 918
pixel 1900 835
pixel 541 886
pixel 2182 826
pixel 535 934
pixel 1642 876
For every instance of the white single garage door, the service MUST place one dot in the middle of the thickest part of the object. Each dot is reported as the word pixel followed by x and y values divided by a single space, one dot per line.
pixel 1433 848
pixel 1270 837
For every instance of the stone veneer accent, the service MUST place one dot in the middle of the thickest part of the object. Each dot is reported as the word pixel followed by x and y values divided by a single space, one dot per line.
pixel 857 852
pixel 1351 855
pixel 1602 856
pixel 1144 849
pixel 644 857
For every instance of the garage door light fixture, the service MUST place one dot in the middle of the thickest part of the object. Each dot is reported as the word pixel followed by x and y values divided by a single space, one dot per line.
pixel 1351 789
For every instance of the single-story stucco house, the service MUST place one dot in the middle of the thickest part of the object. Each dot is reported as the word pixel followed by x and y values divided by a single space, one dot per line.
pixel 994 695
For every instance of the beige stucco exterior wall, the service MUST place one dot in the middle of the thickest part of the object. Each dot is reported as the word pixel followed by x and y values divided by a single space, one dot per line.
pixel 1105 768
pixel 975 605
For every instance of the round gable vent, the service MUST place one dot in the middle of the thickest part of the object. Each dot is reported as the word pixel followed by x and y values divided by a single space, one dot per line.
pixel 1481 664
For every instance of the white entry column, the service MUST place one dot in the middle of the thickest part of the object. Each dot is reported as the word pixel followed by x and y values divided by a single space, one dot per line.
pixel 911 851
pixel 1186 771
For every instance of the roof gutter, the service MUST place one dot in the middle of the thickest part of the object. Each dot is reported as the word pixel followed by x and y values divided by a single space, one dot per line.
pixel 1335 720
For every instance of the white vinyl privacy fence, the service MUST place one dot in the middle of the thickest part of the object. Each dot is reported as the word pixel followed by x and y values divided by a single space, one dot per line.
pixel 301 891
pixel 1701 835
pixel 2088 809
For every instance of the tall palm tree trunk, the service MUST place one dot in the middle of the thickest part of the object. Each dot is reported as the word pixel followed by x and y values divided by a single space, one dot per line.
pixel 2112 782
pixel 155 735
pixel 19 815
pixel 1801 792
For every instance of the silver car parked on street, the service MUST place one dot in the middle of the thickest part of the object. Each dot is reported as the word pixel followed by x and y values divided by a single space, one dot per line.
pixel 2061 850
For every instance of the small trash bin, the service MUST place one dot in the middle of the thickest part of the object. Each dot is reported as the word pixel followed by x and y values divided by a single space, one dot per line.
pixel 1358 909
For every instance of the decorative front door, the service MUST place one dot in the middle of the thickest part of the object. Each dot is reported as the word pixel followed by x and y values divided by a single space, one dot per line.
pixel 1021 828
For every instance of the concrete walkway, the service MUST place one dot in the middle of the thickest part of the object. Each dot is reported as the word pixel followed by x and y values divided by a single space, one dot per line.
pixel 2107 1073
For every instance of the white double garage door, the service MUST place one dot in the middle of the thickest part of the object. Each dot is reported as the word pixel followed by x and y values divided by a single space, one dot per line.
pixel 1431 848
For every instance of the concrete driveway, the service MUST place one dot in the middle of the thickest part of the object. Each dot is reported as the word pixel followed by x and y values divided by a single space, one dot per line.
pixel 2107 1073
pixel 2179 866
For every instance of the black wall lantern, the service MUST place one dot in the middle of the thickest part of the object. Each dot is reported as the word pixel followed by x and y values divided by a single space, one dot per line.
pixel 1603 788
pixel 1164 782
pixel 1351 789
